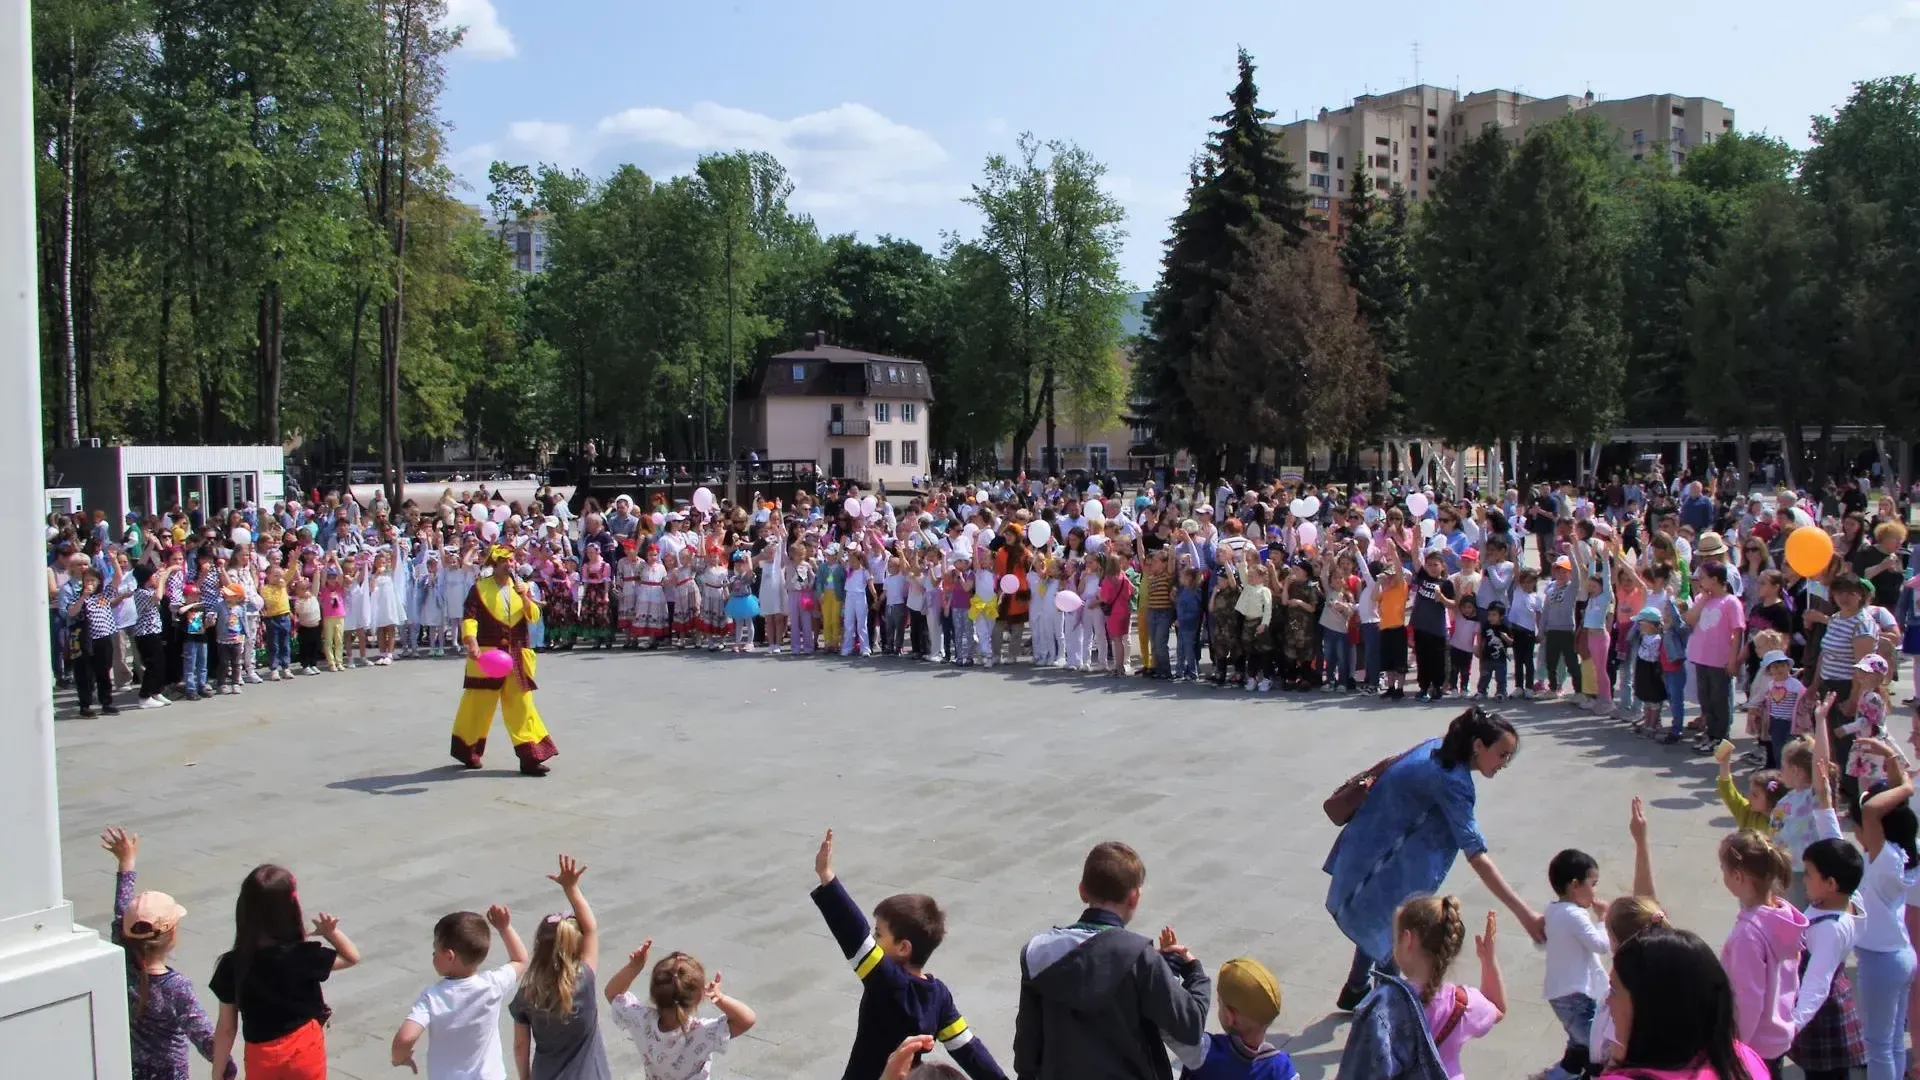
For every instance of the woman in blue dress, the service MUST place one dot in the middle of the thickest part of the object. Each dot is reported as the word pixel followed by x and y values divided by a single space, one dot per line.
pixel 1402 842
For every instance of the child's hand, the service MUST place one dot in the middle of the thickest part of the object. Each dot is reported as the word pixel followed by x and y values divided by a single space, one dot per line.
pixel 1827 703
pixel 638 958
pixel 1637 822
pixel 823 859
pixel 324 925
pixel 900 1062
pixel 408 1063
pixel 1170 946
pixel 712 992
pixel 1874 746
pixel 1723 754
pixel 1483 943
pixel 124 845
pixel 499 917
pixel 570 873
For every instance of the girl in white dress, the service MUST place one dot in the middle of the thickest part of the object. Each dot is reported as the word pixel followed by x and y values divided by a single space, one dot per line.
pixel 650 610
pixel 626 595
pixel 773 589
pixel 426 591
pixel 683 596
pixel 713 598
pixel 359 610
pixel 388 608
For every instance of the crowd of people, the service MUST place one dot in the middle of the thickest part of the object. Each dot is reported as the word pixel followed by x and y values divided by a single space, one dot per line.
pixel 1639 597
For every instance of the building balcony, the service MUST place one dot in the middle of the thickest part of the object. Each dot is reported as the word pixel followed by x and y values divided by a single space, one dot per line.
pixel 849 429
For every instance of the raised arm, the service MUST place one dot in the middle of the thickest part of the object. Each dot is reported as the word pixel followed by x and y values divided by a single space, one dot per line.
pixel 1642 854
pixel 502 921
pixel 1492 986
pixel 635 966
pixel 568 879
pixel 327 928
pixel 740 1018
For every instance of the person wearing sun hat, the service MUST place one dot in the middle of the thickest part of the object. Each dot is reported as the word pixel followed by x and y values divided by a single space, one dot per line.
pixel 498 611
pixel 164 1019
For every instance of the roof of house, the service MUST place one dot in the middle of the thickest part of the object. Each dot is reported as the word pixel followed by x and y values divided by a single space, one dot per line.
pixel 834 371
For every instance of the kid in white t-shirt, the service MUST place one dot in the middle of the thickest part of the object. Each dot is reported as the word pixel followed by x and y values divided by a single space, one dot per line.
pixel 460 1014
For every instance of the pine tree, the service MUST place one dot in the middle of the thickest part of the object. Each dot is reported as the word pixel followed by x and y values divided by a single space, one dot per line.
pixel 1375 257
pixel 1241 184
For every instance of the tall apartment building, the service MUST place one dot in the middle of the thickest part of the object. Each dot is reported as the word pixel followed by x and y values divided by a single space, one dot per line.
pixel 527 238
pixel 1406 138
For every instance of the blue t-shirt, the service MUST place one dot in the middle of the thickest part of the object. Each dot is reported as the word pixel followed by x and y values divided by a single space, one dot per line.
pixel 1188 604
pixel 1230 1059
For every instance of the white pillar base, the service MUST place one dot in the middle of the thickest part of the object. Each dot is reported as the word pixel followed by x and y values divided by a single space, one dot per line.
pixel 63 1001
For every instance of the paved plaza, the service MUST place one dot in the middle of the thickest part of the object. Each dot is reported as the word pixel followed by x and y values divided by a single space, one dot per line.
pixel 696 787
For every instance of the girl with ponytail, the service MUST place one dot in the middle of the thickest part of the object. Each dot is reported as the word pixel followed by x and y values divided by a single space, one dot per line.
pixel 1428 935
pixel 556 1019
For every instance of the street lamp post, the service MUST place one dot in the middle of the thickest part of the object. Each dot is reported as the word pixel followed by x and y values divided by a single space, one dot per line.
pixel 733 493
pixel 63 994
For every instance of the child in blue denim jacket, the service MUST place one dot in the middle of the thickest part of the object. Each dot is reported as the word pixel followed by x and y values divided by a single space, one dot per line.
pixel 1189 607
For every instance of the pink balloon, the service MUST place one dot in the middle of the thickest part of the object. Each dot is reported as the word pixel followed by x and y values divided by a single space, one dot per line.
pixel 495 663
pixel 1068 601
pixel 501 513
pixel 1308 531
pixel 1010 584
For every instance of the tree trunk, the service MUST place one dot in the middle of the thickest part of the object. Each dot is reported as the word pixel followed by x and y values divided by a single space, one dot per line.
pixel 1051 459
pixel 353 380
pixel 161 387
pixel 272 326
pixel 69 352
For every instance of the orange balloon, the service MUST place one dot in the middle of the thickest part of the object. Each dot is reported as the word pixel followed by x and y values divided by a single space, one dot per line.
pixel 1809 550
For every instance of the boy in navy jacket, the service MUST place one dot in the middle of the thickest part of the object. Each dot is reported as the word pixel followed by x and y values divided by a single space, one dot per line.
pixel 898 999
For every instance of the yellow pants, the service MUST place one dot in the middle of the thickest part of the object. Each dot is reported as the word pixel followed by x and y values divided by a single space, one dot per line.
pixel 1140 631
pixel 474 719
pixel 830 619
pixel 333 632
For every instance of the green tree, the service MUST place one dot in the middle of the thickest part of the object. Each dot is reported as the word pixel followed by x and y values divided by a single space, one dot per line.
pixel 1046 260
pixel 1374 254
pixel 1241 184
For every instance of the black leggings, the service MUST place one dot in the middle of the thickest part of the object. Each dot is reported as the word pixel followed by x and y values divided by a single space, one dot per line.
pixel 229 672
pixel 93 673
pixel 1562 648
pixel 1462 669
pixel 153 665
pixel 1523 646
pixel 1430 660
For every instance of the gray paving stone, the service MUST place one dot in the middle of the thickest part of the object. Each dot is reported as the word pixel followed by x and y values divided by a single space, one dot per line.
pixel 696 787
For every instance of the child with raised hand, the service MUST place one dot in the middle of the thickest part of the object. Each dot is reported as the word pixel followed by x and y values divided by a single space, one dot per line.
pixel 1428 935
pixel 1765 789
pixel 1762 952
pixel 1627 917
pixel 674 1042
pixel 1249 1001
pixel 898 998
pixel 268 984
pixel 556 1016
pixel 164 1017
pixel 1576 979
pixel 460 1014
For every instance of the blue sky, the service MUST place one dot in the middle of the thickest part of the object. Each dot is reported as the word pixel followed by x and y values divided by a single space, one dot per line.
pixel 884 112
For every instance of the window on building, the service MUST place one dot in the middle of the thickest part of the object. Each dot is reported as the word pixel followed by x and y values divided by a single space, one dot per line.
pixel 1639 136
pixel 1321 202
pixel 1412 131
pixel 1380 140
pixel 1317 157
pixel 1678 111
pixel 1097 457
pixel 877 376
pixel 1318 224
pixel 906 414
pixel 1340 163
pixel 1414 195
pixel 1680 135
pixel 1434 113
pixel 1679 159
pixel 1413 173
pixel 883 452
pixel 1432 132
pixel 919 376
pixel 893 375
pixel 1432 152
pixel 1396 146
pixel 909 452
pixel 1639 157
pixel 880 412
pixel 1340 184
pixel 799 373
pixel 1318 180
pixel 1726 123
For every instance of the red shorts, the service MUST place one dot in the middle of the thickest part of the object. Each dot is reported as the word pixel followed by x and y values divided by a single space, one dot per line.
pixel 299 1055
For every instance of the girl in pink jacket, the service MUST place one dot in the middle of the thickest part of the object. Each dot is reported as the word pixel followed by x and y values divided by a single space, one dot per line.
pixel 1762 952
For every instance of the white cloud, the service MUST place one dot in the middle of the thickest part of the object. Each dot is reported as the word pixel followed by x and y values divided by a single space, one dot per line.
pixel 842 159
pixel 549 141
pixel 1902 13
pixel 486 38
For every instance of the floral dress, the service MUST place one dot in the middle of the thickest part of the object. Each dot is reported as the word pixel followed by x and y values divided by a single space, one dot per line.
pixel 683 595
pixel 650 614
pixel 561 614
pixel 596 602
pixel 713 598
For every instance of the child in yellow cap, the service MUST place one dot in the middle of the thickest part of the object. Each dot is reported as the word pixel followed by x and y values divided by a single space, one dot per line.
pixel 1249 998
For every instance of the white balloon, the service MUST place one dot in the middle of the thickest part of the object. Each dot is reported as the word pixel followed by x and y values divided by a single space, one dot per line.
pixel 1426 526
pixel 1417 504
pixel 1299 508
pixel 1311 504
pixel 970 530
pixel 702 500
pixel 1068 600
pixel 479 512
pixel 1038 533
pixel 489 531
pixel 501 513
pixel 852 507
pixel 867 505
pixel 242 535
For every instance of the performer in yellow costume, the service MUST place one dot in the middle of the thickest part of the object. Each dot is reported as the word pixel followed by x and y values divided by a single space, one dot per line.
pixel 498 612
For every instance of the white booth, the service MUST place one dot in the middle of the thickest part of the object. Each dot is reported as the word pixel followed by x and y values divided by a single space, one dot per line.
pixel 153 479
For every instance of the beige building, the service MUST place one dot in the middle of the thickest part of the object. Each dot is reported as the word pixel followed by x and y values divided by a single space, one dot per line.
pixel 1406 138
pixel 858 415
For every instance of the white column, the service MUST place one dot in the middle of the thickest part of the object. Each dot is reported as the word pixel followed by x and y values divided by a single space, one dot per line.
pixel 63 995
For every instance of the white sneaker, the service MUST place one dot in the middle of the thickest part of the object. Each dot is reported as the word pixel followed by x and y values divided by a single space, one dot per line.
pixel 1251 686
pixel 150 703
pixel 254 677
pixel 1266 685
pixel 163 699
